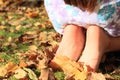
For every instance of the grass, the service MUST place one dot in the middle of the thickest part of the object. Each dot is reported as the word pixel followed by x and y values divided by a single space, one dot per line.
pixel 10 45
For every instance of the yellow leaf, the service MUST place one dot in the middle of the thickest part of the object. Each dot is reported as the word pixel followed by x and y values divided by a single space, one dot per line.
pixel 3 71
pixel 2 27
pixel 9 39
pixel 43 36
pixel 31 32
pixel 1 2
pixel 70 67
pixel 18 27
pixel 33 48
pixel 20 73
pixel 10 67
pixel 37 23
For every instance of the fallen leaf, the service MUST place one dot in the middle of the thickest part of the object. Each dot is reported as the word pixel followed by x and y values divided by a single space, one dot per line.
pixel 8 68
pixel 96 76
pixel 33 48
pixel 1 2
pixel 37 23
pixel 22 64
pixel 47 74
pixel 2 27
pixel 32 14
pixel 26 38
pixel 31 74
pixel 9 39
pixel 43 36
pixel 11 67
pixel 108 77
pixel 20 74
pixel 1 38
pixel 2 60
pixel 3 71
pixel 31 55
pixel 18 27
pixel 70 67
pixel 31 32
pixel 16 22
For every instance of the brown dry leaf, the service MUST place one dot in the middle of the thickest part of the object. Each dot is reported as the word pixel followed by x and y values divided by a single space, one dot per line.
pixel 76 71
pixel 1 38
pixel 17 2
pixel 96 76
pixel 52 37
pixel 48 24
pixel 1 2
pixel 3 71
pixel 10 39
pixel 70 67
pixel 4 2
pixel 26 38
pixel 6 43
pixel 16 22
pixel 2 27
pixel 32 14
pixel 42 61
pixel 33 47
pixel 2 60
pixel 43 36
pixel 31 55
pixel 48 39
pixel 108 77
pixel 10 67
pixel 37 23
pixel 22 64
pixel 116 71
pixel 47 74
pixel 20 74
pixel 42 25
pixel 18 27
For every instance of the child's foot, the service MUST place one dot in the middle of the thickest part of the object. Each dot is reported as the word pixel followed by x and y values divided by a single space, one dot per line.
pixel 91 60
pixel 96 44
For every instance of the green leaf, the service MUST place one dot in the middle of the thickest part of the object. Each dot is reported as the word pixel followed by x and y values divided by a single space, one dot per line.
pixel 12 78
pixel 31 74
pixel 59 75
pixel 1 18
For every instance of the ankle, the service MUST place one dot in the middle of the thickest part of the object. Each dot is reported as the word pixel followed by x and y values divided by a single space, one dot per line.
pixel 92 63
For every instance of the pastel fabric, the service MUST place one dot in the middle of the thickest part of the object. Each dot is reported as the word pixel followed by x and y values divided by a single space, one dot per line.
pixel 105 15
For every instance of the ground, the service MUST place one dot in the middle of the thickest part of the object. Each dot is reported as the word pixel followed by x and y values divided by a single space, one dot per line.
pixel 25 33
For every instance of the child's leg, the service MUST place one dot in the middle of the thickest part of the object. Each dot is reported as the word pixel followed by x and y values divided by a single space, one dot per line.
pixel 114 44
pixel 97 42
pixel 72 42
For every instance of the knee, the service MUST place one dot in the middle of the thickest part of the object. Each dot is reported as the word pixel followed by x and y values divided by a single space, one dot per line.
pixel 100 36
pixel 94 32
pixel 98 31
pixel 93 29
pixel 73 27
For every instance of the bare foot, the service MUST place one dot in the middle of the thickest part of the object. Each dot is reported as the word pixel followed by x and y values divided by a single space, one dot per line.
pixel 92 62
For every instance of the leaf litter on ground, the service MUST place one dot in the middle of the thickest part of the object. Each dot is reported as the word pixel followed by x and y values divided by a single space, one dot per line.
pixel 27 44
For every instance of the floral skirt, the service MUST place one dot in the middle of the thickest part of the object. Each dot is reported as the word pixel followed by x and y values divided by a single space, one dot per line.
pixel 105 15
